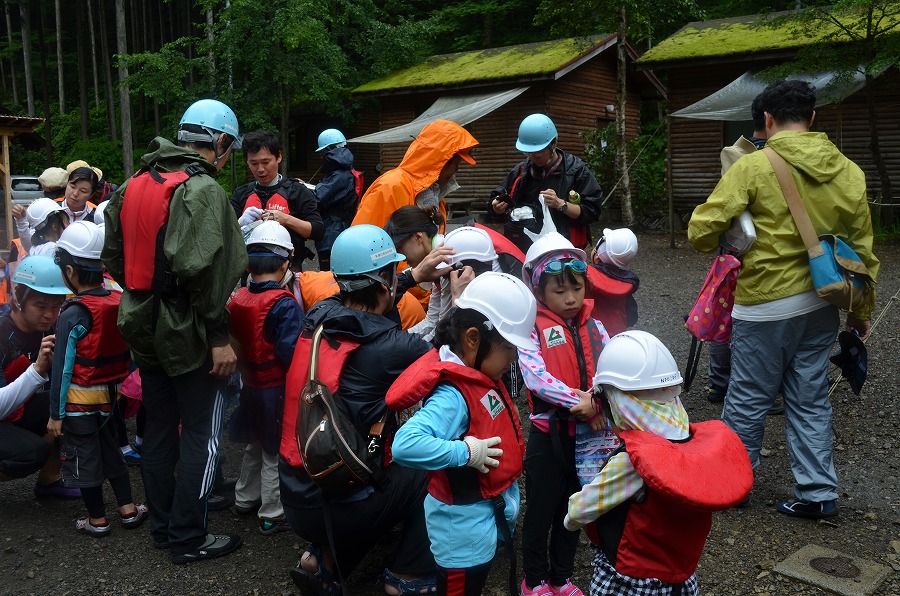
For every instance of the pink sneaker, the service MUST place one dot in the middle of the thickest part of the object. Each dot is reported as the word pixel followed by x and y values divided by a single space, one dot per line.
pixel 542 589
pixel 569 589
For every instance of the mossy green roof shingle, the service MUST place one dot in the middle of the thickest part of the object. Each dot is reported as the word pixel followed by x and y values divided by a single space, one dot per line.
pixel 510 63
pixel 724 38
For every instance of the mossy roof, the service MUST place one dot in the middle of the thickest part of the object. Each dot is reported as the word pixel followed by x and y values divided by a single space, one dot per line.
pixel 511 63
pixel 725 38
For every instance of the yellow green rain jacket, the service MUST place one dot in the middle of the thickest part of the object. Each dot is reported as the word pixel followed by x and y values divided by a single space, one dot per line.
pixel 833 189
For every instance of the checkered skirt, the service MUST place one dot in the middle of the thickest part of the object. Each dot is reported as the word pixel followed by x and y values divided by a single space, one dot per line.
pixel 606 581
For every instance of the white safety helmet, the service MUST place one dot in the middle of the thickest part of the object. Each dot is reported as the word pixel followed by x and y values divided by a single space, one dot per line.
pixel 546 244
pixel 507 303
pixel 470 244
pixel 274 237
pixel 617 247
pixel 636 360
pixel 84 241
pixel 99 218
pixel 39 210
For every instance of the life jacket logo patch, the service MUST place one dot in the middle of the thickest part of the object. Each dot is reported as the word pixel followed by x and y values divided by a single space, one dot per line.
pixel 492 403
pixel 277 203
pixel 554 336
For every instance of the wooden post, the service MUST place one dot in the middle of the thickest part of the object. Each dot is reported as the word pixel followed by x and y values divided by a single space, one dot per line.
pixel 7 186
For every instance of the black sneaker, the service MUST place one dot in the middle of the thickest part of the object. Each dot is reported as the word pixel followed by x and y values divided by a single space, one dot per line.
pixel 809 509
pixel 715 395
pixel 218 503
pixel 216 545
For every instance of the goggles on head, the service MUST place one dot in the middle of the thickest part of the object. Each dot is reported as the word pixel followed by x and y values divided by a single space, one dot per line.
pixel 556 267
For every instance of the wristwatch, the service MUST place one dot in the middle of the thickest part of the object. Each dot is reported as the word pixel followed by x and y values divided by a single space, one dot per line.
pixel 565 206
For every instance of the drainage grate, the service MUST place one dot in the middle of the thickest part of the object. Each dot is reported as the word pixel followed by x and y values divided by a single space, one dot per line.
pixel 835 566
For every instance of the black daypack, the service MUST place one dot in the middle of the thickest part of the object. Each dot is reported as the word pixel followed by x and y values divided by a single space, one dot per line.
pixel 337 458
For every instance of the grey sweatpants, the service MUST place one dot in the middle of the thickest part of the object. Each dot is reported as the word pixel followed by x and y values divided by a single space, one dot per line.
pixel 791 355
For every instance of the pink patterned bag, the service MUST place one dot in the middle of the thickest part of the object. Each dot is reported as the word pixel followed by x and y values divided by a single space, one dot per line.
pixel 710 318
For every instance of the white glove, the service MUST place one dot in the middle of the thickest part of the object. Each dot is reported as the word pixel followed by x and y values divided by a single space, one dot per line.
pixel 250 215
pixel 482 454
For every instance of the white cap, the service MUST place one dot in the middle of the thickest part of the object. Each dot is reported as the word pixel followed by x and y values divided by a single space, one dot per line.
pixel 274 236
pixel 507 303
pixel 636 360
pixel 617 247
pixel 82 239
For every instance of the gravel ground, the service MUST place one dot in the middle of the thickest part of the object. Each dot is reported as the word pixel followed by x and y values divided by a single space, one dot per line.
pixel 40 553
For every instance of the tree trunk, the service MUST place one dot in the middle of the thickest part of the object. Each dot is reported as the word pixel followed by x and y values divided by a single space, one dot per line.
pixel 285 114
pixel 621 142
pixel 25 12
pixel 45 92
pixel 210 38
pixel 107 77
pixel 82 82
pixel 93 34
pixel 59 59
pixel 124 97
pixel 887 198
pixel 12 62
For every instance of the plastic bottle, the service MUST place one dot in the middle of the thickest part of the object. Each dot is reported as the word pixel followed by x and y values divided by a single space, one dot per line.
pixel 741 235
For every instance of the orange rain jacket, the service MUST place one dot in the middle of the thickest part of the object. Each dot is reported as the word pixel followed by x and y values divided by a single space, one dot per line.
pixel 426 156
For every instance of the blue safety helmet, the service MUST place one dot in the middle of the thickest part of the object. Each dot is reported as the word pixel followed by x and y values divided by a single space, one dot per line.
pixel 358 253
pixel 214 117
pixel 40 273
pixel 329 137
pixel 535 133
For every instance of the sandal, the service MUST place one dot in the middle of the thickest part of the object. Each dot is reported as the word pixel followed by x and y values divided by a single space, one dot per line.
pixel 320 583
pixel 83 525
pixel 409 587
pixel 130 522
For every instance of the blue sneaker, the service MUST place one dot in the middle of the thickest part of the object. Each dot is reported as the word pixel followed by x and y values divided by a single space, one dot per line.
pixel 809 509
pixel 132 457
pixel 269 526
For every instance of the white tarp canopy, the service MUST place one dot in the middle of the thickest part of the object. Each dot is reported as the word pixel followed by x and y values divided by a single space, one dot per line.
pixel 461 109
pixel 732 102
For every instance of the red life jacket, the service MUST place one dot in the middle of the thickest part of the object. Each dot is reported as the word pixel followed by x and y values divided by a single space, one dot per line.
pixel 11 372
pixel 277 202
pixel 332 356
pixel 102 355
pixel 569 357
pixel 359 184
pixel 662 536
pixel 502 244
pixel 492 413
pixel 144 218
pixel 610 300
pixel 259 365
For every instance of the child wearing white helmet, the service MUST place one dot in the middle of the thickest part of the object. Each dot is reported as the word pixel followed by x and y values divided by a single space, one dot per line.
pixel 467 433
pixel 570 437
pixel 90 361
pixel 647 524
pixel 414 230
pixel 266 321
pixel 613 284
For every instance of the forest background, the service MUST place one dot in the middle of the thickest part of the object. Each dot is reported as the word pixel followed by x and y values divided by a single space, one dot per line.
pixel 108 75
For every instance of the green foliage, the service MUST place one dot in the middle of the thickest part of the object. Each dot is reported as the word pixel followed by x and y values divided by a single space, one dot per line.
pixel 646 22
pixel 648 165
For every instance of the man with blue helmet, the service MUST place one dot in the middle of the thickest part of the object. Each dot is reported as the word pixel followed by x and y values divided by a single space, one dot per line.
pixel 173 243
pixel 364 262
pixel 567 185
pixel 339 191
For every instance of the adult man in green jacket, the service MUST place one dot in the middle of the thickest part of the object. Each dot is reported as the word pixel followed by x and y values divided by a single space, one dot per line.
pixel 178 275
pixel 783 332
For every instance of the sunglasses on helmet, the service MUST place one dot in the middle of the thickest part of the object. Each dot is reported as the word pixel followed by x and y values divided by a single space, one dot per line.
pixel 556 267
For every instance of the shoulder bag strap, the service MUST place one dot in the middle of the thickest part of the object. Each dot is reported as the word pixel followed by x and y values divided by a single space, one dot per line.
pixel 314 352
pixel 795 203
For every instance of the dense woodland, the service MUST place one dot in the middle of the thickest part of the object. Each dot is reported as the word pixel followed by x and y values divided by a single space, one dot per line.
pixel 108 75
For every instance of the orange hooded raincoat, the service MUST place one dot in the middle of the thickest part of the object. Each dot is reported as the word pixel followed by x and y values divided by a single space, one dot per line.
pixel 429 152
